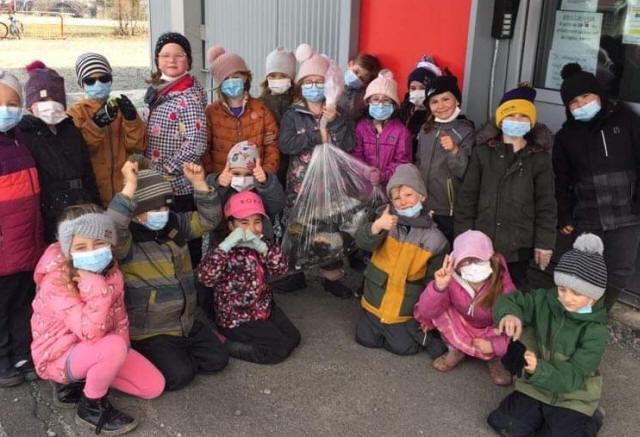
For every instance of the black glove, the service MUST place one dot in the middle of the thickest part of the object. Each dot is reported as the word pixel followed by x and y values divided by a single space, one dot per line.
pixel 106 114
pixel 514 360
pixel 128 110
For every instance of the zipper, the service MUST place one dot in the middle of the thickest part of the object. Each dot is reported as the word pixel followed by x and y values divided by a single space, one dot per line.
pixel 604 143
pixel 377 148
pixel 554 338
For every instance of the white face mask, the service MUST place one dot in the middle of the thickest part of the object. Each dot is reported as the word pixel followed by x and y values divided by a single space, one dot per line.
pixel 170 78
pixel 279 86
pixel 417 97
pixel 242 183
pixel 452 117
pixel 50 112
pixel 476 272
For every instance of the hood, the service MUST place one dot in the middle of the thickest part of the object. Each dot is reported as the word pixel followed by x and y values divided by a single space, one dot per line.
pixel 52 260
pixel 598 315
pixel 539 139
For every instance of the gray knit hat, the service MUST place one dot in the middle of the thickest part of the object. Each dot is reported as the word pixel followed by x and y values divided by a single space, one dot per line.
pixel 97 226
pixel 407 174
pixel 281 61
pixel 582 268
pixel 91 63
pixel 153 191
pixel 12 82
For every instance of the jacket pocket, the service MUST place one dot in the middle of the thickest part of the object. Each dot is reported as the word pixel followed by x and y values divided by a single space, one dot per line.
pixel 375 285
pixel 164 310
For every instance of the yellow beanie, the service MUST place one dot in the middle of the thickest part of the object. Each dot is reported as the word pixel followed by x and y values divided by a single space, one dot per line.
pixel 516 106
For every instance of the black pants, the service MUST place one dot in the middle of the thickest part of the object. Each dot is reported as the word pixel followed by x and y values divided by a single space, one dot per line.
pixel 185 203
pixel 268 341
pixel 519 274
pixel 16 293
pixel 445 224
pixel 399 338
pixel 180 358
pixel 522 416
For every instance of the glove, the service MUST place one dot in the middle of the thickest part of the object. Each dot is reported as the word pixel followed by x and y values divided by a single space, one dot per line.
pixel 514 360
pixel 106 114
pixel 252 241
pixel 232 240
pixel 128 110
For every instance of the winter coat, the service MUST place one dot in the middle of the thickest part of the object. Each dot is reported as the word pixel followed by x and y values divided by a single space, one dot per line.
pixel 64 168
pixel 255 124
pixel 239 279
pixel 385 150
pixel 510 196
pixel 569 347
pixel 352 102
pixel 443 171
pixel 109 146
pixel 161 292
pixel 176 130
pixel 278 103
pixel 597 169
pixel 403 260
pixel 270 192
pixel 68 311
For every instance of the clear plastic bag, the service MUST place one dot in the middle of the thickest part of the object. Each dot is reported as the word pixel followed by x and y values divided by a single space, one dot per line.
pixel 333 87
pixel 336 197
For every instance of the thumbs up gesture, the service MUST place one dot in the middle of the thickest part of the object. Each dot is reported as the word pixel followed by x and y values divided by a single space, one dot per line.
pixel 446 142
pixel 385 222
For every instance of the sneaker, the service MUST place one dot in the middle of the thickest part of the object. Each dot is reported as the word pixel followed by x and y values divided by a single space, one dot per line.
pixel 337 288
pixel 10 377
pixel 25 367
pixel 99 415
pixel 67 395
pixel 290 283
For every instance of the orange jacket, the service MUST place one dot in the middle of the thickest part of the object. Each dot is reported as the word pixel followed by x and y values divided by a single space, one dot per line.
pixel 109 146
pixel 256 125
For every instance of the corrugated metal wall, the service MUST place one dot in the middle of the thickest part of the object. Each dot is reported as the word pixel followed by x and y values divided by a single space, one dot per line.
pixel 159 21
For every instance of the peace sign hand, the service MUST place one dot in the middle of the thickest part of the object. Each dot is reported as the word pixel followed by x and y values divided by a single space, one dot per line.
pixel 443 275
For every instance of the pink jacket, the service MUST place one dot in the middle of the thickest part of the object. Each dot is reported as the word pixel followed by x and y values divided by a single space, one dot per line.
pixel 66 313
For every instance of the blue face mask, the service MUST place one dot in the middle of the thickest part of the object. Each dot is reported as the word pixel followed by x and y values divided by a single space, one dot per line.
pixel 585 310
pixel 93 261
pixel 515 129
pixel 313 92
pixel 351 80
pixel 412 211
pixel 98 91
pixel 232 87
pixel 10 116
pixel 586 112
pixel 157 220
pixel 380 111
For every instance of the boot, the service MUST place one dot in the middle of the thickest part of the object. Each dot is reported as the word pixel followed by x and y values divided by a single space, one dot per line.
pixel 337 288
pixel 241 351
pixel 290 283
pixel 99 415
pixel 67 395
pixel 10 377
pixel 27 370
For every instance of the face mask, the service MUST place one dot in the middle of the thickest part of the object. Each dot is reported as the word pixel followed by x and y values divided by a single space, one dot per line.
pixel 452 117
pixel 380 111
pixel 515 129
pixel 279 86
pixel 585 310
pixel 417 97
pixel 586 112
pixel 412 211
pixel 93 261
pixel 51 112
pixel 313 93
pixel 157 220
pixel 476 272
pixel 10 116
pixel 351 80
pixel 98 91
pixel 242 183
pixel 233 87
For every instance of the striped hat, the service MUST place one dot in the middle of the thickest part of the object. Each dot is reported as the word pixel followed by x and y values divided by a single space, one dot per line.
pixel 91 63
pixel 153 191
pixel 582 268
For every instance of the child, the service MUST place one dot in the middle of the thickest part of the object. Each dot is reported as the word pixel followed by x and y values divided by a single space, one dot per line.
pixel 236 116
pixel 406 247
pixel 22 242
pixel 110 126
pixel 238 269
pixel 56 144
pixel 359 73
pixel 80 326
pixel 458 304
pixel 301 131
pixel 565 334
pixel 382 141
pixel 507 191
pixel 444 146
pixel 161 291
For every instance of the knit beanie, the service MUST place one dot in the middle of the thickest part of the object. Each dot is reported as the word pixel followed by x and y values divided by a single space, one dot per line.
pixel 311 63
pixel 281 61
pixel 409 175
pixel 175 38
pixel 223 64
pixel 43 84
pixel 97 226
pixel 383 84
pixel 442 84
pixel 582 268
pixel 426 70
pixel 153 191
pixel 517 101
pixel 88 64
pixel 577 82
pixel 12 82
pixel 243 155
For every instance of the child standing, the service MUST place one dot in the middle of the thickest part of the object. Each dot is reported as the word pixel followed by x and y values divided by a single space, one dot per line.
pixel 80 326
pixel 565 334
pixel 238 269
pixel 459 300
pixel 110 127
pixel 359 73
pixel 407 248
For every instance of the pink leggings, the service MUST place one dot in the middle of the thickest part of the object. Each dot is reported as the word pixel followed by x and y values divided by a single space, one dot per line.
pixel 110 363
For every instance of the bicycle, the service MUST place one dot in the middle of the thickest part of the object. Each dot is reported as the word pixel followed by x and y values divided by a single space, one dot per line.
pixel 15 28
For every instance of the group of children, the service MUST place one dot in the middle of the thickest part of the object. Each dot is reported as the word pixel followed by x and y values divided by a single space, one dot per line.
pixel 126 298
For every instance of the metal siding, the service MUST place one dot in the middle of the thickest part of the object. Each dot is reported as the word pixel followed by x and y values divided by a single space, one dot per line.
pixel 159 21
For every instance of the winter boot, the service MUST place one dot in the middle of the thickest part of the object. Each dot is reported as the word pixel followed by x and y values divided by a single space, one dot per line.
pixel 337 288
pixel 99 415
pixel 67 395
pixel 241 351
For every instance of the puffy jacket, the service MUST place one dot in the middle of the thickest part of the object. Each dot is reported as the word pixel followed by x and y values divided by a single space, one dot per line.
pixel 109 146
pixel 69 311
pixel 256 125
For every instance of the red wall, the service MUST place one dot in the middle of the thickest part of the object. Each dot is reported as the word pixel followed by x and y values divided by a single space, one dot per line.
pixel 399 32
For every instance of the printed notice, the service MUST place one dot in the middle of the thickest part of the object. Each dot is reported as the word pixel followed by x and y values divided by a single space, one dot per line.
pixel 587 60
pixel 580 5
pixel 631 34
pixel 577 31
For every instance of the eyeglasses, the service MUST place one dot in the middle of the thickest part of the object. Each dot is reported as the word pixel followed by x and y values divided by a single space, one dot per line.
pixel 104 79
pixel 310 84
pixel 168 56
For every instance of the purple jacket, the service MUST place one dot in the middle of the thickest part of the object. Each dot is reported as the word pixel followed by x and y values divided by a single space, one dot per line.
pixel 384 151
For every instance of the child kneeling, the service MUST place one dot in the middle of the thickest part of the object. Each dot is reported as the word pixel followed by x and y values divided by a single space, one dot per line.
pixel 565 335
pixel 255 329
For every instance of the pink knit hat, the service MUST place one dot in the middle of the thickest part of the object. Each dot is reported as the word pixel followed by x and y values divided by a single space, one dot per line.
pixel 311 63
pixel 383 84
pixel 472 244
pixel 223 64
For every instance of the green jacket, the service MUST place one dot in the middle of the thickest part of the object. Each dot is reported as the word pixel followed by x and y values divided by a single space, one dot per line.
pixel 569 347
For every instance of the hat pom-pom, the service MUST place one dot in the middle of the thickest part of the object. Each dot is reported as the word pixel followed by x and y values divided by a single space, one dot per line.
pixel 589 243
pixel 570 69
pixel 303 52
pixel 214 53
pixel 385 73
pixel 35 65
